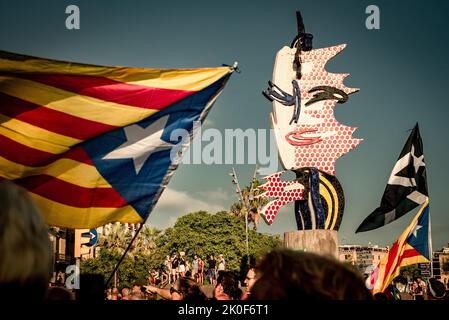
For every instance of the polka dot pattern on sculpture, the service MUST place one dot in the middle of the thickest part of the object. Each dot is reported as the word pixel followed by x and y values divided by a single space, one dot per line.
pixel 323 154
pixel 276 188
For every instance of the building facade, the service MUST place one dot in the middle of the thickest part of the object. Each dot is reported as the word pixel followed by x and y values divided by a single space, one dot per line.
pixel 441 264
pixel 72 245
pixel 364 258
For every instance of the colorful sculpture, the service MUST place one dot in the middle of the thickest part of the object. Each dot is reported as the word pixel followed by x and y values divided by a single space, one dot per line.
pixel 308 136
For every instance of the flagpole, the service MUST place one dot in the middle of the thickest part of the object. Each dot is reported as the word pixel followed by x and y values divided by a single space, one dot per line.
pixel 430 246
pixel 124 254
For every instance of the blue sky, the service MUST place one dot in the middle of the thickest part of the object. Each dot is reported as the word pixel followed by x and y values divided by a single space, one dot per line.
pixel 401 70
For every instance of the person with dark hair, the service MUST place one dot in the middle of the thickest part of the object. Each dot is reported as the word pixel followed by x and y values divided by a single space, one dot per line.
pixel 195 262
pixel 381 296
pixel 200 278
pixel 417 291
pixel 227 287
pixel 182 265
pixel 138 290
pixel 211 274
pixel 25 248
pixel 92 288
pixel 285 274
pixel 436 289
pixel 175 268
pixel 59 294
pixel 183 289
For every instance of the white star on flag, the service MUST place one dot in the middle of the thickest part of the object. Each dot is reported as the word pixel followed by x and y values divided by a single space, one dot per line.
pixel 417 162
pixel 141 143
pixel 415 230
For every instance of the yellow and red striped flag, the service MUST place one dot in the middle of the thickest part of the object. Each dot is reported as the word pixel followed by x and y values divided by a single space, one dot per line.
pixel 412 247
pixel 92 143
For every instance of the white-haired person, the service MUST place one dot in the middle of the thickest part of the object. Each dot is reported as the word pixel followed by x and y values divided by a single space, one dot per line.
pixel 26 256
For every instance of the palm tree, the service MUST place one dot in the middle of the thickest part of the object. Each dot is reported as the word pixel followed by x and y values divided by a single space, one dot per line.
pixel 253 204
pixel 145 241
pixel 118 237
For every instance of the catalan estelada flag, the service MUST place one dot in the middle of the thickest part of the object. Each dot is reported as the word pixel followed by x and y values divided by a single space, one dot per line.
pixel 92 144
pixel 412 247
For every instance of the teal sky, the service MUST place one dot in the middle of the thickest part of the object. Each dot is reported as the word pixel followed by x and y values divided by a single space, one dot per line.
pixel 401 69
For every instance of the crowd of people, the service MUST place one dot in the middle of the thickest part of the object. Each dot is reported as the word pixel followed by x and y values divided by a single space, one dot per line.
pixel 198 269
pixel 417 289
pixel 282 274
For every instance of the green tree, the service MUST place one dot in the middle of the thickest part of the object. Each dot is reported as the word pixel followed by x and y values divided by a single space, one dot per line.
pixel 199 233
pixel 113 245
pixel 204 234
pixel 132 268
pixel 119 236
pixel 410 272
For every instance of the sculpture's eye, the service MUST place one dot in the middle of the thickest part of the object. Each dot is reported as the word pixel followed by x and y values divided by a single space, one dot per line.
pixel 327 93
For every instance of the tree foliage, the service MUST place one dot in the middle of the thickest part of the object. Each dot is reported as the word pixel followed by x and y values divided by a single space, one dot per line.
pixel 204 234
pixel 199 233
pixel 112 246
pixel 411 271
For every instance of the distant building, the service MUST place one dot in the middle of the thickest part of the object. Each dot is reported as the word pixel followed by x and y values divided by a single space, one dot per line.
pixel 69 245
pixel 364 258
pixel 441 264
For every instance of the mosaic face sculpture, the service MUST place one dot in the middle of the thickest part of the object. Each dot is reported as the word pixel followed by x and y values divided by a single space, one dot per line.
pixel 308 137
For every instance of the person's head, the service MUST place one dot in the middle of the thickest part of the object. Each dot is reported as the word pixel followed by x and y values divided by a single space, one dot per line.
pixel 137 288
pixel 115 293
pixel 92 288
pixel 436 289
pixel 381 296
pixel 227 287
pixel 187 289
pixel 126 292
pixel 288 274
pixel 220 257
pixel 212 257
pixel 26 254
pixel 250 279
pixel 195 257
pixel 59 294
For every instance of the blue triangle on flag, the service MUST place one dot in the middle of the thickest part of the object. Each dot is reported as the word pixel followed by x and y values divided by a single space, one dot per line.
pixel 419 235
pixel 138 187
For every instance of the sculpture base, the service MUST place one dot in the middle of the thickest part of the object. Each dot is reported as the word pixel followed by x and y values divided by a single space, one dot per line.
pixel 324 242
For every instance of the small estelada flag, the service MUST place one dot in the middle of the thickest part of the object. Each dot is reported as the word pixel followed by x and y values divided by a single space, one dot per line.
pixel 412 247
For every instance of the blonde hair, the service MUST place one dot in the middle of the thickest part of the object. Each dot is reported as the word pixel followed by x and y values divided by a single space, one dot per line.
pixel 26 255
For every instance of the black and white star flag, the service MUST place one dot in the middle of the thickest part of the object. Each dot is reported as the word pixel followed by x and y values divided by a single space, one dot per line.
pixel 406 188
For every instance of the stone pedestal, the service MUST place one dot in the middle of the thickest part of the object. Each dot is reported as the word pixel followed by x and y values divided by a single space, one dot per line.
pixel 324 242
